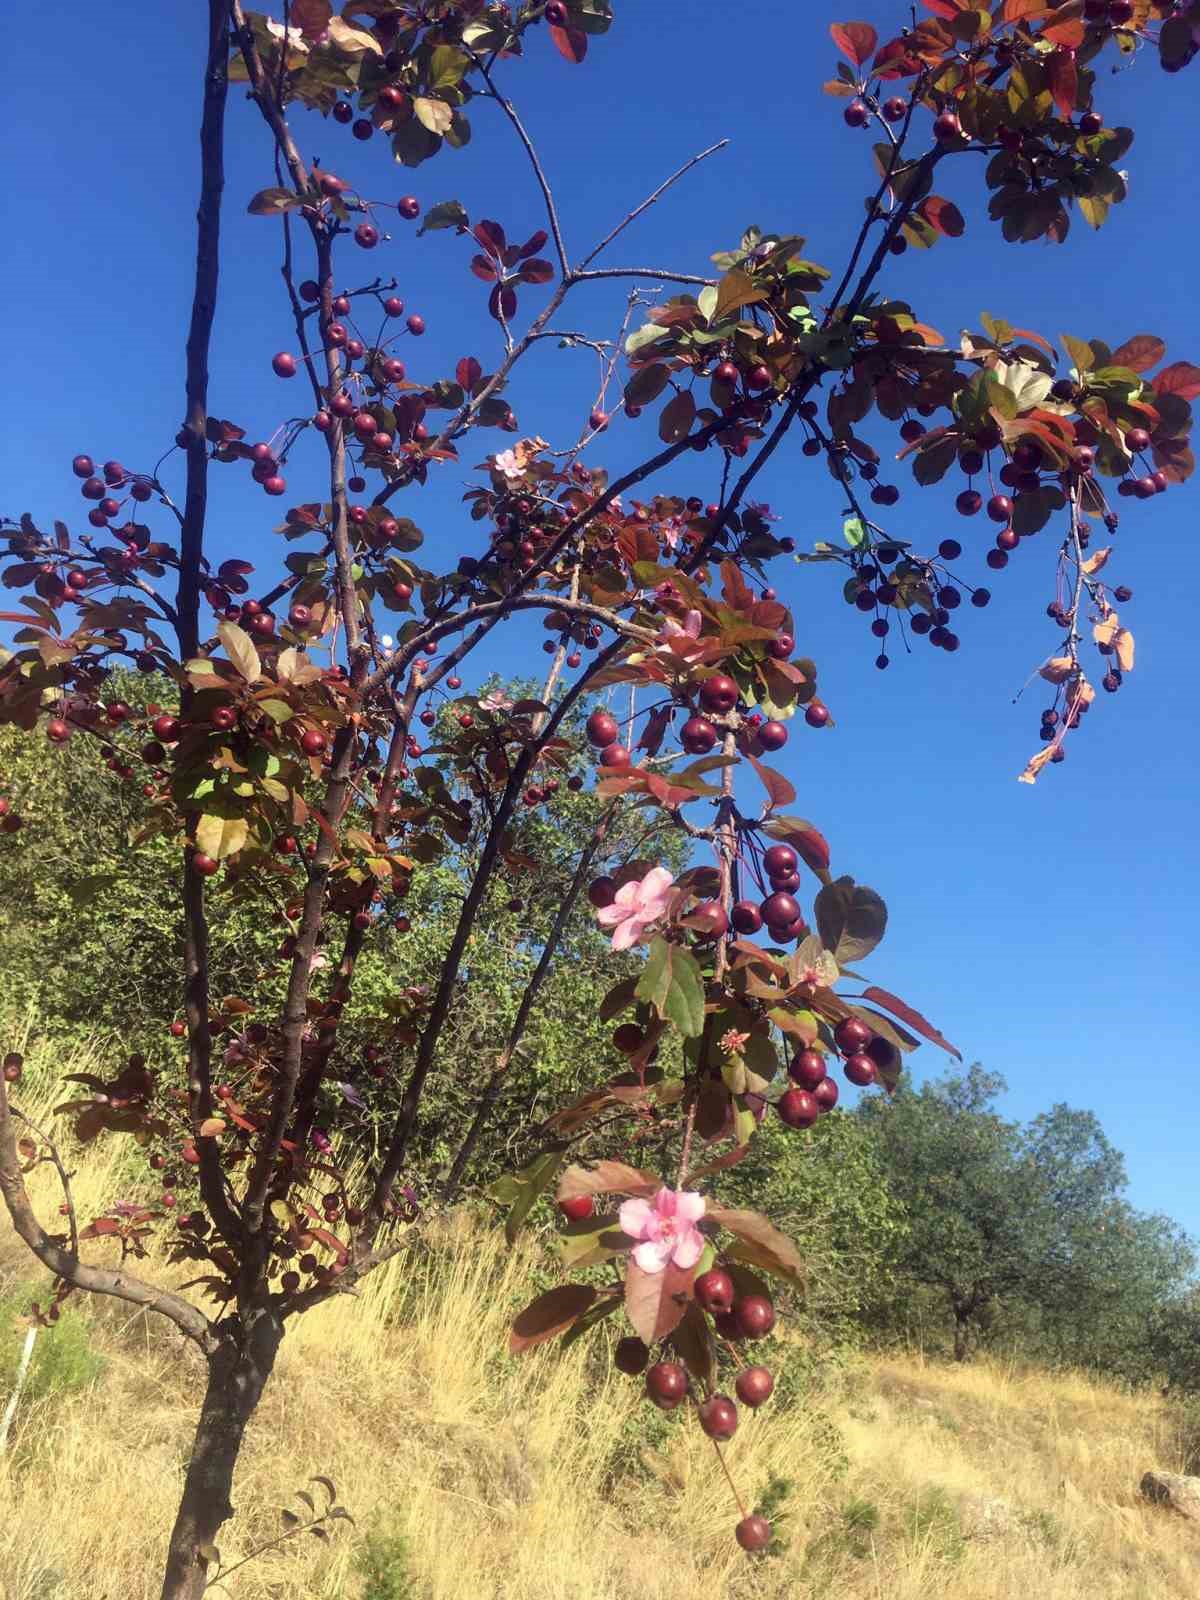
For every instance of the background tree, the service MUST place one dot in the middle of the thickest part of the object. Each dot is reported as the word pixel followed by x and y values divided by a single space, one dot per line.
pixel 291 764
pixel 1023 1231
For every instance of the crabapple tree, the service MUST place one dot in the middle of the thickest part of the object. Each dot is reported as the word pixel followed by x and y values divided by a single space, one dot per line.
pixel 289 760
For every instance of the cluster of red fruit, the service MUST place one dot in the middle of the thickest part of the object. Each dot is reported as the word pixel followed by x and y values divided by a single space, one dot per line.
pixel 816 1092
pixel 779 910
pixel 100 489
pixel 668 1383
pixel 359 399
pixel 718 696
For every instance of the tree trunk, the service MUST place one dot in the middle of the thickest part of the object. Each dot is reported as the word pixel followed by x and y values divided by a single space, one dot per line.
pixel 237 1375
pixel 962 1335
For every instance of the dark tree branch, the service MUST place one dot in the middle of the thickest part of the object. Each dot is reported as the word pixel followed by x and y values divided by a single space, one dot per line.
pixel 427 1049
pixel 191 580
pixel 65 1263
pixel 64 1176
pixel 510 112
pixel 660 274
pixel 525 1009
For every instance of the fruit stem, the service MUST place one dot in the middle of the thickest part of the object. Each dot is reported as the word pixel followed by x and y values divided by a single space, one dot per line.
pixel 741 1504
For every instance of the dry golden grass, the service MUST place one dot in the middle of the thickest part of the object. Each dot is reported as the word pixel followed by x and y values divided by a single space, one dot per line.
pixel 547 1479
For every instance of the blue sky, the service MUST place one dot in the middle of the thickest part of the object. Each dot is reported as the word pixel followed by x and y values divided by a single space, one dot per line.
pixel 1049 931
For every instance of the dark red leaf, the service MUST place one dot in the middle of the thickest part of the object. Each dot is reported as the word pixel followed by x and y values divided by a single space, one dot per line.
pixel 330 1241
pixel 550 1314
pixel 1063 80
pixel 484 268
pixel 655 730
pixel 738 593
pixel 896 60
pixel 854 39
pixel 468 373
pixel 779 790
pixel 490 235
pixel 310 16
pixel 1140 353
pixel 1181 378
pixel 536 271
pixel 570 42
pixel 608 1177
pixel 914 1019
pixel 101 1226
pixel 503 301
pixel 533 244
pixel 656 1301
pixel 943 215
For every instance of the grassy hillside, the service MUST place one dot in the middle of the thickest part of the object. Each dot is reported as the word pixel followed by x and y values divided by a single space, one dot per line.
pixel 470 1474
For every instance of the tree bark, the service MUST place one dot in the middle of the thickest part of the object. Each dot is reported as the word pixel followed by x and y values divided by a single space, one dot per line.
pixel 962 1334
pixel 237 1375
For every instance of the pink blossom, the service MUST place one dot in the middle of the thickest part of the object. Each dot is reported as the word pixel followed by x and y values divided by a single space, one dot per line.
pixel 665 1228
pixel 635 906
pixel 507 464
pixel 690 626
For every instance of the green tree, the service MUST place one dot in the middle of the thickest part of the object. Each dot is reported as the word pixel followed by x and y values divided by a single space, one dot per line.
pixel 1023 1231
pixel 831 1192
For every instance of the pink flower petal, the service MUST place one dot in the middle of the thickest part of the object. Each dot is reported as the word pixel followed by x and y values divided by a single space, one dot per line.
pixel 628 933
pixel 689 1206
pixel 634 1217
pixel 689 1247
pixel 656 881
pixel 609 916
pixel 652 1255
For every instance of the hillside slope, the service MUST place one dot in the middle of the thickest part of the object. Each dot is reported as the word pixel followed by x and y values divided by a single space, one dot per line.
pixel 470 1474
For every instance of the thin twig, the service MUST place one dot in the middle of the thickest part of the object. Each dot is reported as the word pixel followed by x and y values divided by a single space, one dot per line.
pixel 633 215
pixel 510 112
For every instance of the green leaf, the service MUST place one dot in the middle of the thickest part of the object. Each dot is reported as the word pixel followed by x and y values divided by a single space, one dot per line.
pixel 672 983
pixel 273 202
pixel 240 649
pixel 446 214
pixel 527 1185
pixel 851 919
pixel 220 836
pixel 447 67
pixel 647 384
pixel 435 115
pixel 588 1243
pixel 1079 351
pixel 854 532
pixel 277 710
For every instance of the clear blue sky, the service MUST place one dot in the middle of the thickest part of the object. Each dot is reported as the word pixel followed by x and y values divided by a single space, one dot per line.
pixel 1049 931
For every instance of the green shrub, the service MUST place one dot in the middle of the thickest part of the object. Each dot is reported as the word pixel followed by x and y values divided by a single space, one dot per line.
pixel 63 1358
pixel 383 1565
